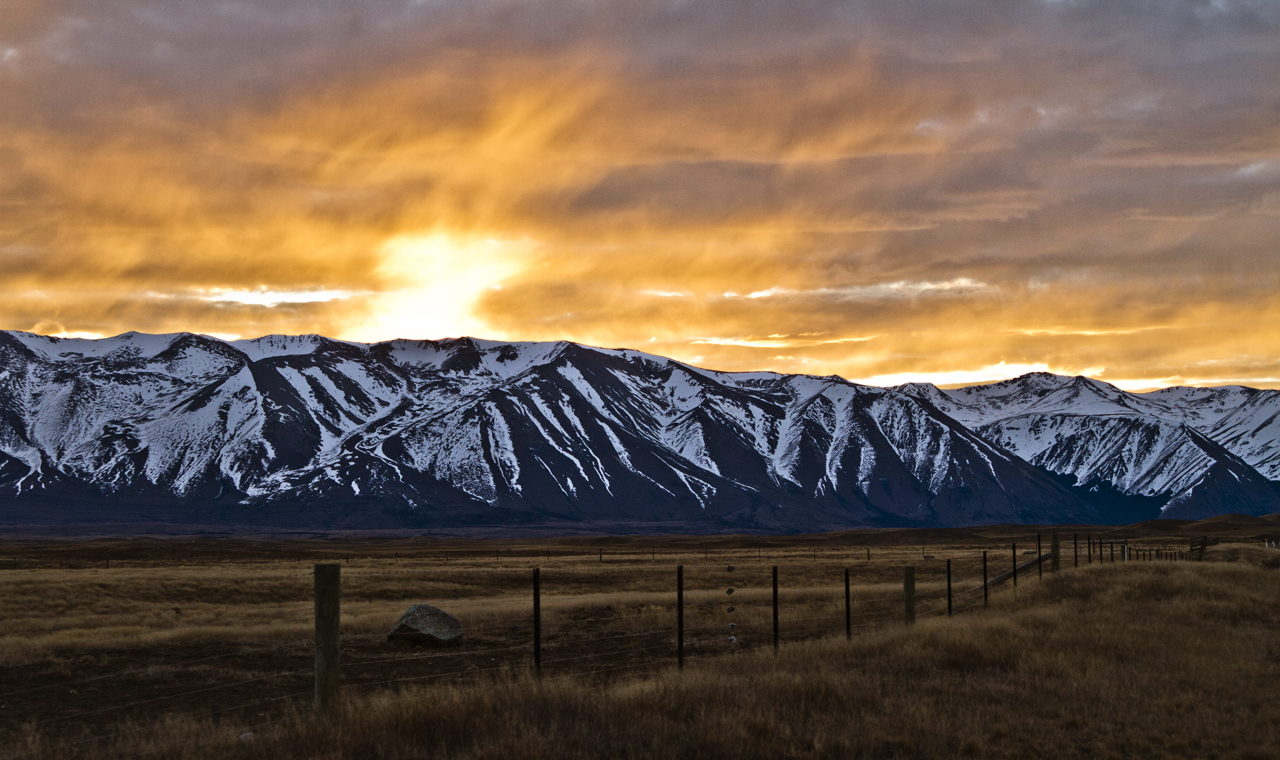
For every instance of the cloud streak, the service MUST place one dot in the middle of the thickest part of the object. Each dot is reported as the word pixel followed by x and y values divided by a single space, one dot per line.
pixel 975 184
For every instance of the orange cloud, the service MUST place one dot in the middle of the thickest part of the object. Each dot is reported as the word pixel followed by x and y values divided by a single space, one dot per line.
pixel 872 189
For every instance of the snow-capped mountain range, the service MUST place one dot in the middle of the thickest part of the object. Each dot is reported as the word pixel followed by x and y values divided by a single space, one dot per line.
pixel 308 432
pixel 1194 451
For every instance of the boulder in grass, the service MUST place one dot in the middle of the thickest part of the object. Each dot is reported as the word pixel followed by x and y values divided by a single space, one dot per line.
pixel 424 625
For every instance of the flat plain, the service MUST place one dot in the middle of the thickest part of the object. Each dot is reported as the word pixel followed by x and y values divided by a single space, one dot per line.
pixel 202 648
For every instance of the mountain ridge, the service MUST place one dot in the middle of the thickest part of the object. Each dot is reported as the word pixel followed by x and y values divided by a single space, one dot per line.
pixel 1166 443
pixel 307 431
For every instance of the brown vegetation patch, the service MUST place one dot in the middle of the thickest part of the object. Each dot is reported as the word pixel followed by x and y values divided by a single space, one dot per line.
pixel 1115 660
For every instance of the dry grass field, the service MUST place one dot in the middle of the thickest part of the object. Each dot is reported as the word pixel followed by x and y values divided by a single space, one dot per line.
pixel 182 649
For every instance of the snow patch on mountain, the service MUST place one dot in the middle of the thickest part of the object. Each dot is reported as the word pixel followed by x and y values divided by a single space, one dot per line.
pixel 474 427
pixel 1141 443
pixel 273 346
pixel 130 345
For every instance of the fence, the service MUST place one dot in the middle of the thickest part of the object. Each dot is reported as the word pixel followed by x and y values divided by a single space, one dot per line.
pixel 678 614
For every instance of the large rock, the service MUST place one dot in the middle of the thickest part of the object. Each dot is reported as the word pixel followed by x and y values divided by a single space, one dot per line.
pixel 424 625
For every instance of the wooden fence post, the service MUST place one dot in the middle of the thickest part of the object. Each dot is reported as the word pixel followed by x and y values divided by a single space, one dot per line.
pixel 680 616
pixel 328 590
pixel 775 608
pixel 848 609
pixel 537 621
pixel 1090 540
pixel 1075 547
pixel 948 588
pixel 909 593
pixel 1055 552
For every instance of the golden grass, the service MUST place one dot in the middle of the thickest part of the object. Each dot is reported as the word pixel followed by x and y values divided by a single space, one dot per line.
pixel 51 611
pixel 1136 660
pixel 1109 661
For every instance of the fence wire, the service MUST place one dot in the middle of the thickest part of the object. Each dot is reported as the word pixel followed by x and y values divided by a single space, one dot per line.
pixel 610 651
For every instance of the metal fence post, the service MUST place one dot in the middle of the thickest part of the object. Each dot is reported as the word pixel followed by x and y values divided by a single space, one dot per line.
pixel 1015 564
pixel 680 616
pixel 328 590
pixel 848 609
pixel 986 595
pixel 948 588
pixel 775 608
pixel 909 593
pixel 537 620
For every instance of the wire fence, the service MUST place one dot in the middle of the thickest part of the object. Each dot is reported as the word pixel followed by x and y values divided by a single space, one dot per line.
pixel 729 610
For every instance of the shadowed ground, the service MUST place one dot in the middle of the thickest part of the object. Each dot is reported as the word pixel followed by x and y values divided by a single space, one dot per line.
pixel 179 654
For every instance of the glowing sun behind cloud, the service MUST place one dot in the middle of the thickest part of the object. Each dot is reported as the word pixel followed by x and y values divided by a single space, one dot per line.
pixel 433 282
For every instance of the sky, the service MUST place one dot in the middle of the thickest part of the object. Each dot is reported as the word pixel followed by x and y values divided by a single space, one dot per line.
pixel 890 191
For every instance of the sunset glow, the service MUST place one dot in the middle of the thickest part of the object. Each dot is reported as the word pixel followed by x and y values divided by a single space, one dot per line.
pixel 434 283
pixel 954 192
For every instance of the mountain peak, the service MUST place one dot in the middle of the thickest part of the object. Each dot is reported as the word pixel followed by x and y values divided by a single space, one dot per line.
pixel 273 346
pixel 123 345
pixel 302 430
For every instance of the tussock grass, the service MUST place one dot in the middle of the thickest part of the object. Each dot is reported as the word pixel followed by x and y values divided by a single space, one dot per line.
pixel 1135 660
pixel 50 613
